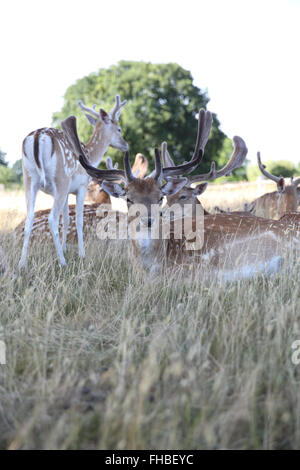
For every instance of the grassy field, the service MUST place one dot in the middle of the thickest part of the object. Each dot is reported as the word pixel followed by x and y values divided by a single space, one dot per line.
pixel 100 355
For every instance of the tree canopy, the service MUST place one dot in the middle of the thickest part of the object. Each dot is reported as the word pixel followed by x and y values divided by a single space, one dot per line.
pixel 162 104
pixel 283 168
pixel 2 158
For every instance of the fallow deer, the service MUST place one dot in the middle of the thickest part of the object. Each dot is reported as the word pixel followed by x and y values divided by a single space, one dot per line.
pixel 233 245
pixel 50 164
pixel 96 194
pixel 277 203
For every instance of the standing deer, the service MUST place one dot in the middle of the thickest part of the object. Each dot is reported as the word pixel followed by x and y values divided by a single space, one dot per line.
pixel 50 164
pixel 237 246
pixel 277 203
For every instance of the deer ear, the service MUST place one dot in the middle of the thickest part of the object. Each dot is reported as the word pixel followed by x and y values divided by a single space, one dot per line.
pixel 281 185
pixel 172 186
pixel 200 189
pixel 113 189
pixel 104 116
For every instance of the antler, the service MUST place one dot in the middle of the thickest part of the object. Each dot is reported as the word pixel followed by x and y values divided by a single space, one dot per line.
pixel 109 164
pixel 262 168
pixel 165 156
pixel 116 111
pixel 279 180
pixel 236 160
pixel 89 110
pixel 204 127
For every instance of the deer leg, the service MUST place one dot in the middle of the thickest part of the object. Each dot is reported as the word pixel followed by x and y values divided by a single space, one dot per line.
pixel 66 220
pixel 79 219
pixel 54 216
pixel 30 203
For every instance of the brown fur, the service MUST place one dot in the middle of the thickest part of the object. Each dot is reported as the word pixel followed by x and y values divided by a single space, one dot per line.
pixel 41 230
pixel 275 204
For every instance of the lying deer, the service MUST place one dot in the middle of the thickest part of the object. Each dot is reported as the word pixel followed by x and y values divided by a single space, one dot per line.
pixel 236 246
pixel 50 164
pixel 277 203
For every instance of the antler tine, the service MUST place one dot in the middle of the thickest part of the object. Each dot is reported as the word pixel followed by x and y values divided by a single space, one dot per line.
pixel 89 110
pixel 158 166
pixel 204 127
pixel 165 156
pixel 109 164
pixel 127 168
pixel 262 168
pixel 236 160
pixel 116 111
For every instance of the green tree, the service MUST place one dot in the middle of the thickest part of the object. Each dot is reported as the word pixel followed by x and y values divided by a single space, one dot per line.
pixel 6 175
pixel 2 158
pixel 162 105
pixel 17 171
pixel 283 168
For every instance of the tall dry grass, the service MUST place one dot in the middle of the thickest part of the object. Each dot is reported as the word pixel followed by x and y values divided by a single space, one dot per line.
pixel 100 355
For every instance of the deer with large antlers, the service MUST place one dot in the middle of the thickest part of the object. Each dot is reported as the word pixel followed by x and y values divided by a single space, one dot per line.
pixel 50 164
pixel 277 203
pixel 238 246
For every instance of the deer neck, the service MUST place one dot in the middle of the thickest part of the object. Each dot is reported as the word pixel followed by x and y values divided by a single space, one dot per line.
pixel 148 249
pixel 97 145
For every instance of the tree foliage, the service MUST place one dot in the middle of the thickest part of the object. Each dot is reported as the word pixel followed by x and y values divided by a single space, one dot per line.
pixel 2 158
pixel 283 168
pixel 162 104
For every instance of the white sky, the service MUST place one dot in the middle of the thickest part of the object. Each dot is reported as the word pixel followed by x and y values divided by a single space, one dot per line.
pixel 246 53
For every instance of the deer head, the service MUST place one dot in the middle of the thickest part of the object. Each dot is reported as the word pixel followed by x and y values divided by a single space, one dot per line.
pixel 95 192
pixel 107 123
